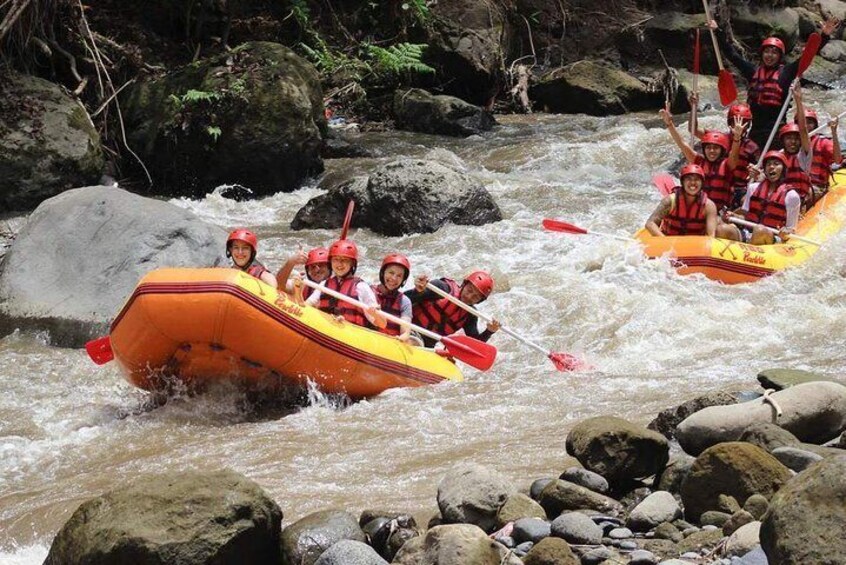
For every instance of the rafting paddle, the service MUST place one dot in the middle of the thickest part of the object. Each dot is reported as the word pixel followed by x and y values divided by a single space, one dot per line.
pixel 810 51
pixel 725 80
pixel 347 219
pixel 475 353
pixel 100 350
pixel 748 224
pixel 665 183
pixel 817 130
pixel 693 107
pixel 562 226
pixel 562 361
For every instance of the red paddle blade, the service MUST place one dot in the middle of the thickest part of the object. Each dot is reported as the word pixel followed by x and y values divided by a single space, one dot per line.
pixel 811 48
pixel 726 86
pixel 475 353
pixel 558 225
pixel 565 361
pixel 100 350
pixel 347 219
pixel 664 182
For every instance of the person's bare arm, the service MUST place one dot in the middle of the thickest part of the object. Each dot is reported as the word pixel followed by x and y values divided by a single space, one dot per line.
pixel 653 224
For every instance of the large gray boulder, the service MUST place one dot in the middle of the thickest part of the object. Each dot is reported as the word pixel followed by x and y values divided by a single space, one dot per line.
pixel 402 197
pixel 466 42
pixel 617 449
pixel 588 87
pixel 417 110
pixel 666 421
pixel 189 518
pixel 756 23
pixel 473 494
pixel 734 469
pixel 47 142
pixel 81 253
pixel 252 116
pixel 304 541
pixel 814 412
pixel 807 518
pixel 454 544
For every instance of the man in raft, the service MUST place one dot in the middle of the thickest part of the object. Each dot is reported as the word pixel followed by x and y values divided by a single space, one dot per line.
pixel 441 316
pixel 769 82
pixel 392 277
pixel 825 152
pixel 317 270
pixel 687 210
pixel 241 247
pixel 796 146
pixel 718 159
pixel 343 258
pixel 749 150
pixel 773 203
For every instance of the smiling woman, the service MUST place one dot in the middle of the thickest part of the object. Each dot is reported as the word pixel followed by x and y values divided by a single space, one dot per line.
pixel 241 247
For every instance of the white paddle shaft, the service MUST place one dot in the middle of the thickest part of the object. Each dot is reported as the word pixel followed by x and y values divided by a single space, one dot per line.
pixel 478 314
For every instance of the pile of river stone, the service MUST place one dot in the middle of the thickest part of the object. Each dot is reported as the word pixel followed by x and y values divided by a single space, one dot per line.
pixel 753 485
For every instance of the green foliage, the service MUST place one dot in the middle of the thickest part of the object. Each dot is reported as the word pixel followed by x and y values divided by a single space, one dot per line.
pixel 419 9
pixel 301 13
pixel 214 131
pixel 399 59
pixel 330 62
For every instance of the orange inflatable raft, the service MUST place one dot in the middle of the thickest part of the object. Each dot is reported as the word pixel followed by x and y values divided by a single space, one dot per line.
pixel 200 326
pixel 733 262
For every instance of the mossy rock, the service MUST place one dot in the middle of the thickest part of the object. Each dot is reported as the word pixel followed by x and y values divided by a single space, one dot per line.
pixel 252 116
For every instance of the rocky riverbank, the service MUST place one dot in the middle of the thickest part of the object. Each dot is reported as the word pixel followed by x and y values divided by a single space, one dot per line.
pixel 755 490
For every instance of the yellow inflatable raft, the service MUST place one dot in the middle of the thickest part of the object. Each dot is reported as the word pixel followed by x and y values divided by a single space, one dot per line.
pixel 200 326
pixel 734 262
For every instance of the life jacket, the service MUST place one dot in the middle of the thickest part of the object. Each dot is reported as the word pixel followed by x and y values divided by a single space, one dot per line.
pixel 718 181
pixel 255 269
pixel 764 89
pixel 749 153
pixel 390 302
pixel 684 218
pixel 797 176
pixel 440 315
pixel 347 287
pixel 820 172
pixel 769 208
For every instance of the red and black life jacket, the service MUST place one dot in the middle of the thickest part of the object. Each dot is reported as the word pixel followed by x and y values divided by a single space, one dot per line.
pixel 767 207
pixel 390 302
pixel 718 181
pixel 440 315
pixel 797 176
pixel 820 172
pixel 347 287
pixel 255 269
pixel 749 153
pixel 764 89
pixel 684 218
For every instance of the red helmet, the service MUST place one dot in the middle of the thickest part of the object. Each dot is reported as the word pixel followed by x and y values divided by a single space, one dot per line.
pixel 246 236
pixel 317 255
pixel 483 282
pixel 717 138
pixel 787 128
pixel 775 155
pixel 692 170
pixel 395 259
pixel 742 110
pixel 344 248
pixel 809 115
pixel 773 42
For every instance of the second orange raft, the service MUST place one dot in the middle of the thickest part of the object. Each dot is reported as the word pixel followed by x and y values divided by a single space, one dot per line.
pixel 734 262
